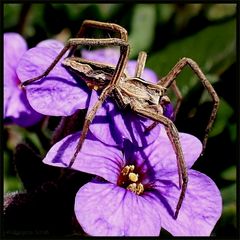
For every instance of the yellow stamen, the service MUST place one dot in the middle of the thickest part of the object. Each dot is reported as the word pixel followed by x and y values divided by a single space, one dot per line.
pixel 133 177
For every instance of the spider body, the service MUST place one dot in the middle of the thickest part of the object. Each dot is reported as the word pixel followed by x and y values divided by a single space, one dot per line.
pixel 130 92
pixel 142 97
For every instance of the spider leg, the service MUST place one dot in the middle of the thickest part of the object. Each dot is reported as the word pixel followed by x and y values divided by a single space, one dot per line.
pixel 176 109
pixel 103 25
pixel 171 76
pixel 47 71
pixel 124 52
pixel 142 56
pixel 85 41
pixel 90 116
pixel 71 45
pixel 173 135
pixel 179 98
pixel 100 25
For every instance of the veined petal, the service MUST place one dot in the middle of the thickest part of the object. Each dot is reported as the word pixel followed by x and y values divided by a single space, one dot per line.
pixel 161 155
pixel 104 209
pixel 52 44
pixel 16 106
pixel 201 208
pixel 18 110
pixel 94 158
pixel 58 94
pixel 112 126
pixel 14 47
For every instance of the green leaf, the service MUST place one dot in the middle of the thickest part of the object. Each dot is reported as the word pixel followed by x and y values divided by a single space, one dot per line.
pixel 11 15
pixel 207 47
pixel 12 184
pixel 33 137
pixel 232 131
pixel 229 194
pixel 218 11
pixel 73 10
pixel 225 111
pixel 142 28
pixel 230 174
pixel 165 11
pixel 108 10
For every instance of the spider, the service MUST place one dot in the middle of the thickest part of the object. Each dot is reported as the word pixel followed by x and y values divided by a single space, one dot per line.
pixel 142 97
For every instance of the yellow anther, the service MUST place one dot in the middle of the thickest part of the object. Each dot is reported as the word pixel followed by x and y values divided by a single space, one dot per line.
pixel 127 169
pixel 139 189
pixel 95 87
pixel 136 188
pixel 133 177
pixel 132 187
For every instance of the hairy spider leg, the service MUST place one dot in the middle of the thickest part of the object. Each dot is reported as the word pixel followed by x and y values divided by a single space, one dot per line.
pixel 124 53
pixel 171 76
pixel 141 61
pixel 173 136
pixel 178 94
pixel 100 25
pixel 142 57
pixel 70 46
pixel 51 66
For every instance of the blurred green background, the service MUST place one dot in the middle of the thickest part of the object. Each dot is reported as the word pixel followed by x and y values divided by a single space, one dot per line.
pixel 167 32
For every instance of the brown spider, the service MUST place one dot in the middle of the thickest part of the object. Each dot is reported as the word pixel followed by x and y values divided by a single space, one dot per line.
pixel 144 98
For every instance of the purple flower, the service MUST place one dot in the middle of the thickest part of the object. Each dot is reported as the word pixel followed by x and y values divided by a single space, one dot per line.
pixel 136 191
pixel 61 94
pixel 16 106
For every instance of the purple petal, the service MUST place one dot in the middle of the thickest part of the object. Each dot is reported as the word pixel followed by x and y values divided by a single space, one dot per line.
pixel 16 107
pixel 58 94
pixel 104 209
pixel 112 125
pixel 51 43
pixel 18 110
pixel 105 55
pixel 201 208
pixel 148 74
pixel 94 158
pixel 14 47
pixel 169 111
pixel 161 155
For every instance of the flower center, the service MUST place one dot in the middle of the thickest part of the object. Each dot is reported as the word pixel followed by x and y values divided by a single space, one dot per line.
pixel 130 179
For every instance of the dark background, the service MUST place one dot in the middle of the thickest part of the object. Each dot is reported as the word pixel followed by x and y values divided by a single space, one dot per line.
pixel 167 32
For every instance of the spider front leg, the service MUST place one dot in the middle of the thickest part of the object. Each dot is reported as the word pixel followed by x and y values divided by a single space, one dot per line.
pixel 173 136
pixel 90 116
pixel 141 61
pixel 123 35
pixel 176 108
pixel 124 52
pixel 178 94
pixel 83 41
pixel 72 47
pixel 142 57
pixel 49 69
pixel 171 76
